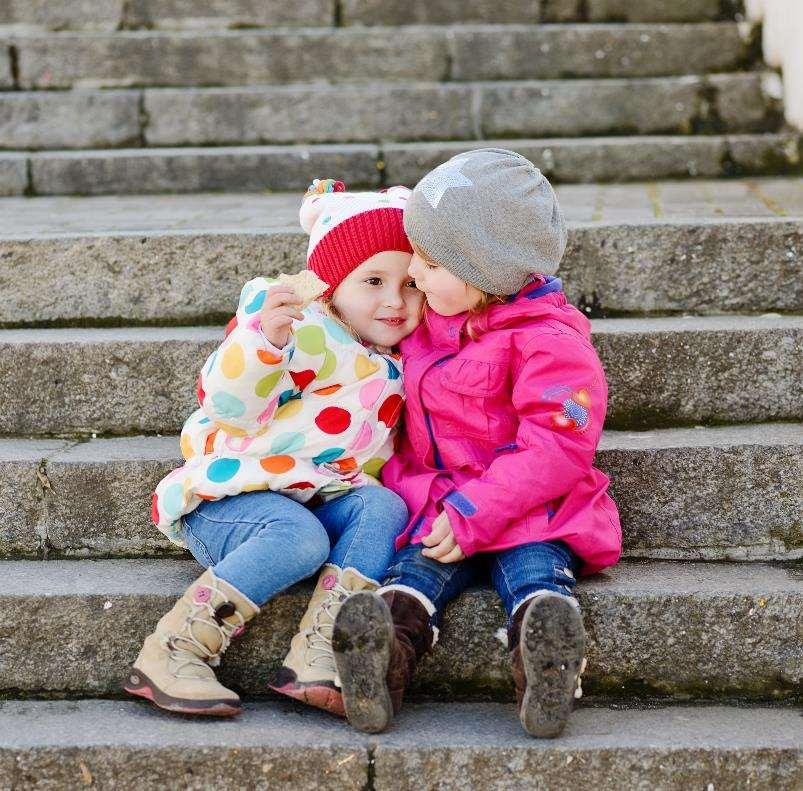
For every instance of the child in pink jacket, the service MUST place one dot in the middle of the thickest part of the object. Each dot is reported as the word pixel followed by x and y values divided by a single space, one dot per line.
pixel 506 400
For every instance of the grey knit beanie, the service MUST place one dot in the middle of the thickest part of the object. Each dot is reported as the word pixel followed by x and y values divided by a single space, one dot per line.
pixel 490 217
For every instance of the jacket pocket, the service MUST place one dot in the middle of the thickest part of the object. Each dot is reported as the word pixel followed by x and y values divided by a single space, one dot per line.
pixel 476 401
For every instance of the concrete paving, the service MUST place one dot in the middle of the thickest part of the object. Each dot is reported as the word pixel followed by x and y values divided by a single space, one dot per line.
pixel 701 200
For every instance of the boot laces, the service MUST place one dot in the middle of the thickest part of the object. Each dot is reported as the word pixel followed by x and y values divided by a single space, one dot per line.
pixel 319 635
pixel 578 680
pixel 181 645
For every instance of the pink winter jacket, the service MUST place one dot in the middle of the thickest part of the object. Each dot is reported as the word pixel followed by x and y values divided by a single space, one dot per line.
pixel 501 432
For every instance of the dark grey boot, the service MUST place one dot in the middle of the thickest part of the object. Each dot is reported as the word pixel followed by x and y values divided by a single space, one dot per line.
pixel 547 648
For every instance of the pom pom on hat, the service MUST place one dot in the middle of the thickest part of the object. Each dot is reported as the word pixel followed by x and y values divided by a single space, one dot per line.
pixel 348 228
pixel 312 205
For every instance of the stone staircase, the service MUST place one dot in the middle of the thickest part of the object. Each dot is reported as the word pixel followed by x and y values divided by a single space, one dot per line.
pixel 112 294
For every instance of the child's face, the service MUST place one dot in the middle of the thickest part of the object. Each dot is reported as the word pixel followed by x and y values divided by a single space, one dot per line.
pixel 380 300
pixel 445 293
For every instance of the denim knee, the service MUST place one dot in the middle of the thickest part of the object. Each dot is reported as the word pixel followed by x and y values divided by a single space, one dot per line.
pixel 311 543
pixel 385 505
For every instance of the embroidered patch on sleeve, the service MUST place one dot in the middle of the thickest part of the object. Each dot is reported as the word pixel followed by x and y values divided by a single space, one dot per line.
pixel 575 413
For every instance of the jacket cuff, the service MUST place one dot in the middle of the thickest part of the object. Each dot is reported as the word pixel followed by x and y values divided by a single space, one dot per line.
pixel 455 505
pixel 284 351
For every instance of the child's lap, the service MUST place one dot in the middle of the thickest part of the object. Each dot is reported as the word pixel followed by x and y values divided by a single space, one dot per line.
pixel 542 564
pixel 216 528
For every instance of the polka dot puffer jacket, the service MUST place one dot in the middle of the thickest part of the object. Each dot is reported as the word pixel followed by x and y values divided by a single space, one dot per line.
pixel 316 417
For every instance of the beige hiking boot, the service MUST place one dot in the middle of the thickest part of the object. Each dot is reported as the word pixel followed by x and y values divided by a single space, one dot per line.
pixel 174 667
pixel 308 673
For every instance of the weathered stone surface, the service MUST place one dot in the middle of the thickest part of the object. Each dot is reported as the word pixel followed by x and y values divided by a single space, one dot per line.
pixel 742 105
pixel 397 12
pixel 624 269
pixel 439 12
pixel 726 493
pixel 586 107
pixel 243 169
pixel 124 745
pixel 109 255
pixel 531 52
pixel 22 495
pixel 661 372
pixel 355 54
pixel 762 154
pixel 677 371
pixel 632 106
pixel 416 111
pixel 117 279
pixel 121 744
pixel 616 159
pixel 724 630
pixel 653 10
pixel 708 493
pixel 6 77
pixel 236 169
pixel 13 173
pixel 62 14
pixel 74 119
pixel 672 748
pixel 105 486
pixel 293 114
pixel 206 14
pixel 230 57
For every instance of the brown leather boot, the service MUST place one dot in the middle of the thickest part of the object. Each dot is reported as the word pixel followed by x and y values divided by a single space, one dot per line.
pixel 547 645
pixel 377 641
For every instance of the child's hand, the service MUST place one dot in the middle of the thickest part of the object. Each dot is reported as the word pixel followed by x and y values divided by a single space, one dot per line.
pixel 441 542
pixel 278 313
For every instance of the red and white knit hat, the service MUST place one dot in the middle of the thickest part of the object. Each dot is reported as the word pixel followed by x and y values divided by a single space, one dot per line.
pixel 347 228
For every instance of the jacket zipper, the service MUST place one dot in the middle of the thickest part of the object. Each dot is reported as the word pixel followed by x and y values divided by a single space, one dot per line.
pixel 436 454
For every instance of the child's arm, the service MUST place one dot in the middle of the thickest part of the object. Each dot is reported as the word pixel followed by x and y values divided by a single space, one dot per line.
pixel 242 380
pixel 560 395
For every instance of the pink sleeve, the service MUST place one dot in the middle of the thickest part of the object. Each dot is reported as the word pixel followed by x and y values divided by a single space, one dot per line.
pixel 560 395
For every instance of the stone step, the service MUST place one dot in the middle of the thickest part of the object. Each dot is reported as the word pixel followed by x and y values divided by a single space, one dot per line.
pixel 136 171
pixel 616 159
pixel 662 372
pixel 109 255
pixel 658 629
pixel 391 112
pixel 111 15
pixel 713 494
pixel 121 745
pixel 427 12
pixel 358 54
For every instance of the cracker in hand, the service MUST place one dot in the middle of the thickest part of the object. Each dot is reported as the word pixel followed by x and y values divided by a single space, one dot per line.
pixel 306 284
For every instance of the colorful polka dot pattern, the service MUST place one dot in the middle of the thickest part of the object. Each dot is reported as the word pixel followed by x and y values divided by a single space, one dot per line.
pixel 316 416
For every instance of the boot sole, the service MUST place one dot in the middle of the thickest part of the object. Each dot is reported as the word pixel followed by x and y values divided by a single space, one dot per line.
pixel 362 639
pixel 552 647
pixel 137 683
pixel 317 695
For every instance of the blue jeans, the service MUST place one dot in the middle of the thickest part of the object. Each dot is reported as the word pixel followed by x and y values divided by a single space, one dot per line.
pixel 516 573
pixel 263 542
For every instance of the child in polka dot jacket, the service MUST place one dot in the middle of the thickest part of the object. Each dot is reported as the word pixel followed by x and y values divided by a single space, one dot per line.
pixel 506 399
pixel 297 413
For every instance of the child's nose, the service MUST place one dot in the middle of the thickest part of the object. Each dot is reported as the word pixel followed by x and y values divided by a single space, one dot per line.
pixel 394 299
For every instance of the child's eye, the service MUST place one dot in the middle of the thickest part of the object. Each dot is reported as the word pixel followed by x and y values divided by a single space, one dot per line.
pixel 429 266
pixel 374 281
pixel 411 284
